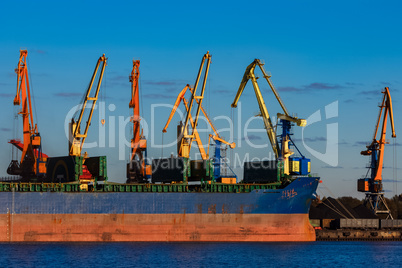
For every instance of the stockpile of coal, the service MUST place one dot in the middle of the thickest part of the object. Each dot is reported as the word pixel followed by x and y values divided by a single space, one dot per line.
pixel 331 208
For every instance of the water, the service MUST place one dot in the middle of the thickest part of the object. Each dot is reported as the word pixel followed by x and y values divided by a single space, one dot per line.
pixel 316 254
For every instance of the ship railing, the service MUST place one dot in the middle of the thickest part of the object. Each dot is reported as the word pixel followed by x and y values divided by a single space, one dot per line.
pixel 10 178
pixel 306 176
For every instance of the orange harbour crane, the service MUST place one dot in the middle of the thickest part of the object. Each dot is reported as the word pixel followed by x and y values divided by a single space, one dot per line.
pixel 33 162
pixel 372 185
pixel 137 168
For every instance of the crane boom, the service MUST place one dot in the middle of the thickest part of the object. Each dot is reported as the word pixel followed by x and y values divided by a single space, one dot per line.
pixel 196 134
pixel 249 74
pixel 387 106
pixel 32 163
pixel 283 153
pixel 24 94
pixel 186 140
pixel 373 185
pixel 137 168
pixel 138 143
pixel 218 138
pixel 376 148
pixel 180 98
pixel 77 138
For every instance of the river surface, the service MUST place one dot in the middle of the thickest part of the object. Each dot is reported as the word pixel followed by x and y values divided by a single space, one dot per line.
pixel 315 254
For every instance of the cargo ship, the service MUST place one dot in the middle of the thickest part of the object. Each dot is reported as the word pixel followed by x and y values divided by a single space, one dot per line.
pixel 69 198
pixel 152 212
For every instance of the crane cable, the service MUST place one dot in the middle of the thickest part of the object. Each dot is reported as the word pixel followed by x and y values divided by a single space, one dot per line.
pixel 394 167
pixel 14 150
pixel 140 92
pixel 232 114
pixel 33 95
pixel 339 202
pixel 208 106
pixel 102 103
pixel 162 145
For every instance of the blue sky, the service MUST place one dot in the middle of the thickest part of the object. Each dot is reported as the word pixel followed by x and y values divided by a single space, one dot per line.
pixel 318 52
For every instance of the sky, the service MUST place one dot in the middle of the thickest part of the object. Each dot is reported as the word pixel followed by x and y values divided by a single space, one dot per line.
pixel 327 59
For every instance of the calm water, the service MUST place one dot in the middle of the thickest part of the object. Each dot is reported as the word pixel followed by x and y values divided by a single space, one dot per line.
pixel 317 254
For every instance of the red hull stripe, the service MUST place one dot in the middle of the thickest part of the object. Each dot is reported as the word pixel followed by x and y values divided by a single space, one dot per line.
pixel 155 227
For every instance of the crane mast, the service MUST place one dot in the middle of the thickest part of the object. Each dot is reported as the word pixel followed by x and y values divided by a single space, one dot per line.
pixel 186 139
pixel 283 152
pixel 76 138
pixel 217 138
pixel 372 185
pixel 78 167
pixel 197 138
pixel 249 75
pixel 137 170
pixel 179 99
pixel 33 162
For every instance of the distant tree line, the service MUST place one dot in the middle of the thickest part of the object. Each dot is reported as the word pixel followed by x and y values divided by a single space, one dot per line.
pixel 394 204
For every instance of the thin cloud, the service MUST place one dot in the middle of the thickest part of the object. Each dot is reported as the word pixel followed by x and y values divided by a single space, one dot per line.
pixel 361 143
pixel 6 95
pixel 158 96
pixel 353 84
pixel 160 83
pixel 5 129
pixel 288 89
pixel 343 143
pixel 370 92
pixel 389 180
pixel 119 78
pixel 223 91
pixel 392 143
pixel 67 94
pixel 39 51
pixel 349 101
pixel 315 139
pixel 312 87
pixel 337 167
pixel 251 137
pixel 166 83
pixel 320 86
pixel 365 143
